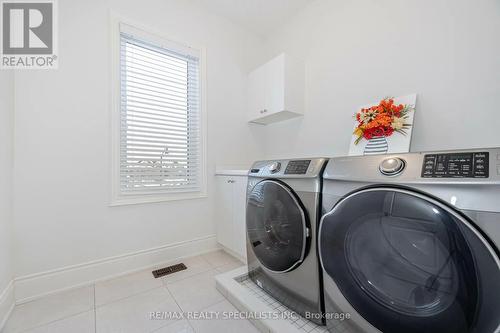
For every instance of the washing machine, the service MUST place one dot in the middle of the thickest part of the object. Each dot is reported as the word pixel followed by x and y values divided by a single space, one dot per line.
pixel 282 217
pixel 410 242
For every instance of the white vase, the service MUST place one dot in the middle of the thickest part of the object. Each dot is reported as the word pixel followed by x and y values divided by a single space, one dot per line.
pixel 376 145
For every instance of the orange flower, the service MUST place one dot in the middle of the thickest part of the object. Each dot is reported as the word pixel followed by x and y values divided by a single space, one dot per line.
pixel 385 118
pixel 382 119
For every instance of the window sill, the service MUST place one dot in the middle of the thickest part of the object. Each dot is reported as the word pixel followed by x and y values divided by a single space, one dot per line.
pixel 145 199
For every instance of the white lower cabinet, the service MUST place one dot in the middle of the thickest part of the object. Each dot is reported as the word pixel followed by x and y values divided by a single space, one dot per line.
pixel 230 213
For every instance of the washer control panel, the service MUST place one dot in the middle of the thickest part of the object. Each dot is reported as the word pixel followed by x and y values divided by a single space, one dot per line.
pixel 456 165
pixel 292 168
pixel 297 167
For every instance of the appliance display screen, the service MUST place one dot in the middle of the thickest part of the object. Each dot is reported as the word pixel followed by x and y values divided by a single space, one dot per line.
pixel 297 167
pixel 456 165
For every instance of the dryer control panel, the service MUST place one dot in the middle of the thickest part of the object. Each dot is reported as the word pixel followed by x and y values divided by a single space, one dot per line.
pixel 456 165
pixel 292 168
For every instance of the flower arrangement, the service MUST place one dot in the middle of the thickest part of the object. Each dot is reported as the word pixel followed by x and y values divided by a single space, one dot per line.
pixel 382 120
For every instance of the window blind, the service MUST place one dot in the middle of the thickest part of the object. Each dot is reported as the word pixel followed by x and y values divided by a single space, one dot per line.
pixel 159 120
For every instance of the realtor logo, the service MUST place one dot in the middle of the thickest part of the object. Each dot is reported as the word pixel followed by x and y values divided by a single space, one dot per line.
pixel 28 34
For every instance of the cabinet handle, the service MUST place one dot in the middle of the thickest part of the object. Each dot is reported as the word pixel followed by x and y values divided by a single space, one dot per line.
pixel 230 181
pixel 263 111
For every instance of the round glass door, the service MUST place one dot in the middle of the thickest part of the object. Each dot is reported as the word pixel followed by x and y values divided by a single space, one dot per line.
pixel 277 227
pixel 408 263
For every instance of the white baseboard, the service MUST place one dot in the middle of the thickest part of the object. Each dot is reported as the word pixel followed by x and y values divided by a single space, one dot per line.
pixel 30 287
pixel 7 303
pixel 234 254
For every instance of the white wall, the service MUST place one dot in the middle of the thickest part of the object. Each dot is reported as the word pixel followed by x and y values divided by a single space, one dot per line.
pixel 355 52
pixel 62 163
pixel 359 51
pixel 6 160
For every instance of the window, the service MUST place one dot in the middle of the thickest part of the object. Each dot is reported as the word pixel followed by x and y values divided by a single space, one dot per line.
pixel 160 123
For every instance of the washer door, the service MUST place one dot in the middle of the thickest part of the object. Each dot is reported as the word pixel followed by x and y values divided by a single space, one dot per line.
pixel 277 227
pixel 409 263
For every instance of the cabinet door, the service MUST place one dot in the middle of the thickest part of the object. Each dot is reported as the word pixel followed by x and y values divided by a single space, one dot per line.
pixel 224 211
pixel 239 213
pixel 274 85
pixel 256 93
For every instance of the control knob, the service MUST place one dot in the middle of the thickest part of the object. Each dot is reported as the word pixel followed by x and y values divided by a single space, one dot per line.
pixel 275 167
pixel 392 166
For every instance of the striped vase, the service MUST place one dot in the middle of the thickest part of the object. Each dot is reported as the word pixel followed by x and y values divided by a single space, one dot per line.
pixel 376 145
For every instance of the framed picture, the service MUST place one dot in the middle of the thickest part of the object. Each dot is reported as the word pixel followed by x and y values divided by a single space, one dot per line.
pixel 384 127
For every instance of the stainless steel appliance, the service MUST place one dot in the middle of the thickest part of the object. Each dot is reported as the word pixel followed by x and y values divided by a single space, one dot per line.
pixel 282 216
pixel 410 242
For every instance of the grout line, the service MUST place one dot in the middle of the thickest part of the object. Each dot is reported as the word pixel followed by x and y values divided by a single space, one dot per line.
pixel 162 284
pixel 172 295
pixel 211 269
pixel 172 323
pixel 208 306
pixel 191 325
pixel 52 322
pixel 127 297
pixel 165 283
pixel 95 313
pixel 201 310
pixel 223 264
pixel 217 302
pixel 105 278
pixel 133 254
pixel 202 256
pixel 166 325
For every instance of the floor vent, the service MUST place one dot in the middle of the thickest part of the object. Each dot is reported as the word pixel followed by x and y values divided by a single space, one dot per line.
pixel 169 270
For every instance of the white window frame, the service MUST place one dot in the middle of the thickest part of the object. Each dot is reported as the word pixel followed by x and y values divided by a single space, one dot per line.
pixel 119 24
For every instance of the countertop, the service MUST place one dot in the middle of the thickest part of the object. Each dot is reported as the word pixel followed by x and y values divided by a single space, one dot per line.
pixel 231 172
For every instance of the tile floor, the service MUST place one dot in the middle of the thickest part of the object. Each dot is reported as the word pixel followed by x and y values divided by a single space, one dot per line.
pixel 124 304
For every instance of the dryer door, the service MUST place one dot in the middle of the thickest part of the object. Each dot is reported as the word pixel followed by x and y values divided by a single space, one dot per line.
pixel 277 226
pixel 409 263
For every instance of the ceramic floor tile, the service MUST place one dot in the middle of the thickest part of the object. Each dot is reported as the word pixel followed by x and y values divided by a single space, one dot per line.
pixel 194 266
pixel 229 267
pixel 196 292
pixel 223 324
pixel 115 289
pixel 220 258
pixel 180 326
pixel 133 314
pixel 50 308
pixel 81 323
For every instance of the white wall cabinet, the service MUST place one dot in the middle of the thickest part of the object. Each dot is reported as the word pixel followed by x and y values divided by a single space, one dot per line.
pixel 230 213
pixel 276 91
